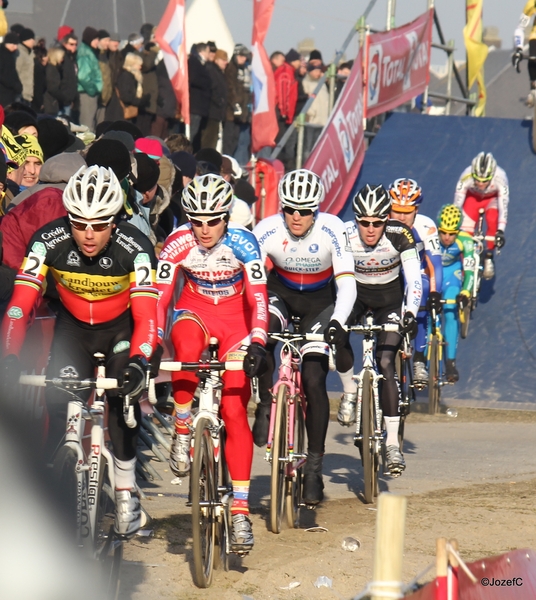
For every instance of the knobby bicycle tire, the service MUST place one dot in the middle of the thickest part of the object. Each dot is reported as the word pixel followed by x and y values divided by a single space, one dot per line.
pixel 464 328
pixel 223 479
pixel 66 484
pixel 108 548
pixel 279 451
pixel 370 473
pixel 294 484
pixel 433 374
pixel 407 394
pixel 203 490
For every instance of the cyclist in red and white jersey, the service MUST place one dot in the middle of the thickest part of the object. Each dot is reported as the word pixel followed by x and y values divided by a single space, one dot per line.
pixel 313 279
pixel 224 296
pixel 484 185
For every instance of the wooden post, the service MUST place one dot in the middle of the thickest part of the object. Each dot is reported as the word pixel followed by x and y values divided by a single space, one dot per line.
pixel 441 569
pixel 452 579
pixel 390 529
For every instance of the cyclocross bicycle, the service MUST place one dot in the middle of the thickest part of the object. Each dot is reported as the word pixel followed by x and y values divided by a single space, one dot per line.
pixel 369 436
pixel 211 491
pixel 286 434
pixel 85 475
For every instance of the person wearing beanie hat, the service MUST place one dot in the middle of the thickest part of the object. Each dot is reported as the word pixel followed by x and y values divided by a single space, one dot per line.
pixel 135 44
pixel 63 32
pixel 25 63
pixel 54 138
pixel 316 57
pixel 147 177
pixel 146 31
pixel 102 34
pixel 19 121
pixel 127 126
pixel 124 137
pixel 293 56
pixel 112 154
pixel 89 77
pixel 10 84
pixel 187 165
pixel 34 160
pixel 152 148
pixel 210 155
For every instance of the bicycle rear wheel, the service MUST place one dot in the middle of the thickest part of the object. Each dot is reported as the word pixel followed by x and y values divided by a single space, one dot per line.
pixel 294 484
pixel 279 453
pixel 434 384
pixel 369 457
pixel 204 497
pixel 225 488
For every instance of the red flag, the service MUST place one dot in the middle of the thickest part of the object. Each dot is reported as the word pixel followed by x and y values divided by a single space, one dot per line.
pixel 170 37
pixel 264 127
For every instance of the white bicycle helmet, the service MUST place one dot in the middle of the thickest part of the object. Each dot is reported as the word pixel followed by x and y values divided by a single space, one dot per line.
pixel 372 201
pixel 483 167
pixel 93 193
pixel 301 189
pixel 206 195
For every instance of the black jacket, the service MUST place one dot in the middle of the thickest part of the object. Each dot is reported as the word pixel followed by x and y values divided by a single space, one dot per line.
pixel 218 99
pixel 200 86
pixel 70 77
pixel 238 91
pixel 127 87
pixel 10 85
pixel 56 95
pixel 40 85
pixel 167 101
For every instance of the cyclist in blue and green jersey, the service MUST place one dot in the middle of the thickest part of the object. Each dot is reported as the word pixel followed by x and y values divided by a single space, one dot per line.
pixel 458 274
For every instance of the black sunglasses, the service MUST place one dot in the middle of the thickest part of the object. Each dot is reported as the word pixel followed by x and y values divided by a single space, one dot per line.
pixel 303 212
pixel 367 224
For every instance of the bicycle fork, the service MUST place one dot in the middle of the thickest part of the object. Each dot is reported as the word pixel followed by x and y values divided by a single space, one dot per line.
pixel 377 410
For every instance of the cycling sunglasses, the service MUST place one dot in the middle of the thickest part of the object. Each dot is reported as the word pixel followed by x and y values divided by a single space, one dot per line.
pixel 367 224
pixel 448 231
pixel 303 212
pixel 210 221
pixel 98 226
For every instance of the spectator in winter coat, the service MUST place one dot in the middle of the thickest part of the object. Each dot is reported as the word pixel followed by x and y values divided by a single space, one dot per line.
pixel 147 112
pixel 10 84
pixel 200 86
pixel 25 63
pixel 130 83
pixel 69 71
pixel 277 58
pixel 56 96
pixel 114 110
pixel 166 104
pixel 218 99
pixel 40 77
pixel 318 113
pixel 89 77
pixel 236 129
pixel 134 46
pixel 106 72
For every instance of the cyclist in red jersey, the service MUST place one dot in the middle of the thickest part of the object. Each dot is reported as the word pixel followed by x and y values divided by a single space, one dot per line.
pixel 104 271
pixel 224 296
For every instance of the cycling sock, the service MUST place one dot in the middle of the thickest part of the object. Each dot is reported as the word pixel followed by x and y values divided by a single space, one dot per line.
pixel 182 418
pixel 125 474
pixel 349 385
pixel 391 425
pixel 240 498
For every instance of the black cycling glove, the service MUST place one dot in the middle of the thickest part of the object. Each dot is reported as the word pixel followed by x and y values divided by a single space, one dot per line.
pixel 409 325
pixel 335 334
pixel 434 302
pixel 132 378
pixel 255 360
pixel 517 57
pixel 499 239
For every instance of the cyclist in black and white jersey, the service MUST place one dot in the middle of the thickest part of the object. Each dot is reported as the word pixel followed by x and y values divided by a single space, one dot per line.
pixel 384 254
pixel 312 278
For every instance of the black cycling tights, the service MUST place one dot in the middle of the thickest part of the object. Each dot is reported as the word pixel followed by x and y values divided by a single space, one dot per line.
pixel 386 348
pixel 315 368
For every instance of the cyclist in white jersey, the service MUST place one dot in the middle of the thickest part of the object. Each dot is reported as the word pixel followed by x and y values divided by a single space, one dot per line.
pixel 384 254
pixel 484 185
pixel 406 196
pixel 312 278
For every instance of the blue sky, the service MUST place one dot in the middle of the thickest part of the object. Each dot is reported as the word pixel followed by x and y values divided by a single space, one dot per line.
pixel 328 22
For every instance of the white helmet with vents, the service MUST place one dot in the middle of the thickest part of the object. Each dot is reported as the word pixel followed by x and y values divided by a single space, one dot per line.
pixel 207 194
pixel 483 167
pixel 301 189
pixel 93 193
pixel 372 201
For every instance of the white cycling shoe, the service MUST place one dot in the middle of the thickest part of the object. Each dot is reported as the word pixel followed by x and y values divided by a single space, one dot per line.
pixel 419 372
pixel 489 269
pixel 129 516
pixel 242 534
pixel 394 460
pixel 179 457
pixel 346 415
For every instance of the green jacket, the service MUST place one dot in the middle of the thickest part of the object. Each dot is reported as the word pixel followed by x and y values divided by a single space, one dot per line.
pixel 89 73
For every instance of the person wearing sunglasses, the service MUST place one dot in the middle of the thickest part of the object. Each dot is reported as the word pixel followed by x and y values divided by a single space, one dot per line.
pixel 386 262
pixel 484 185
pixel 312 278
pixel 104 271
pixel 406 196
pixel 457 253
pixel 224 295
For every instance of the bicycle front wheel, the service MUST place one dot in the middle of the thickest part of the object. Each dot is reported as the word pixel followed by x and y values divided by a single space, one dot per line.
pixel 66 484
pixel 464 328
pixel 279 453
pixel 434 383
pixel 370 459
pixel 204 498
pixel 294 484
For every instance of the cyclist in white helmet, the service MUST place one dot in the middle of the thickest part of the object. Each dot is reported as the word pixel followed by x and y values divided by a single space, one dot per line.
pixel 104 271
pixel 224 296
pixel 385 253
pixel 519 40
pixel 312 278
pixel 484 185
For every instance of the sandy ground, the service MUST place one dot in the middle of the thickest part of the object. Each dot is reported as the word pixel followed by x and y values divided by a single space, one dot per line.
pixel 486 518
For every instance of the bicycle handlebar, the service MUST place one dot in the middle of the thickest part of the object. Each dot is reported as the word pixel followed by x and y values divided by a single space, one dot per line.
pixel 374 328
pixel 103 383
pixel 230 365
pixel 292 336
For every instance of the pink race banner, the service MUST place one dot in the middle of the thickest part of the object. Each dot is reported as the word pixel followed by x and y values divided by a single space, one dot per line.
pixel 339 152
pixel 397 65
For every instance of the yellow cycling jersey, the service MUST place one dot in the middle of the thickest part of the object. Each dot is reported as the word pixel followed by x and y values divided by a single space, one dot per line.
pixel 524 20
